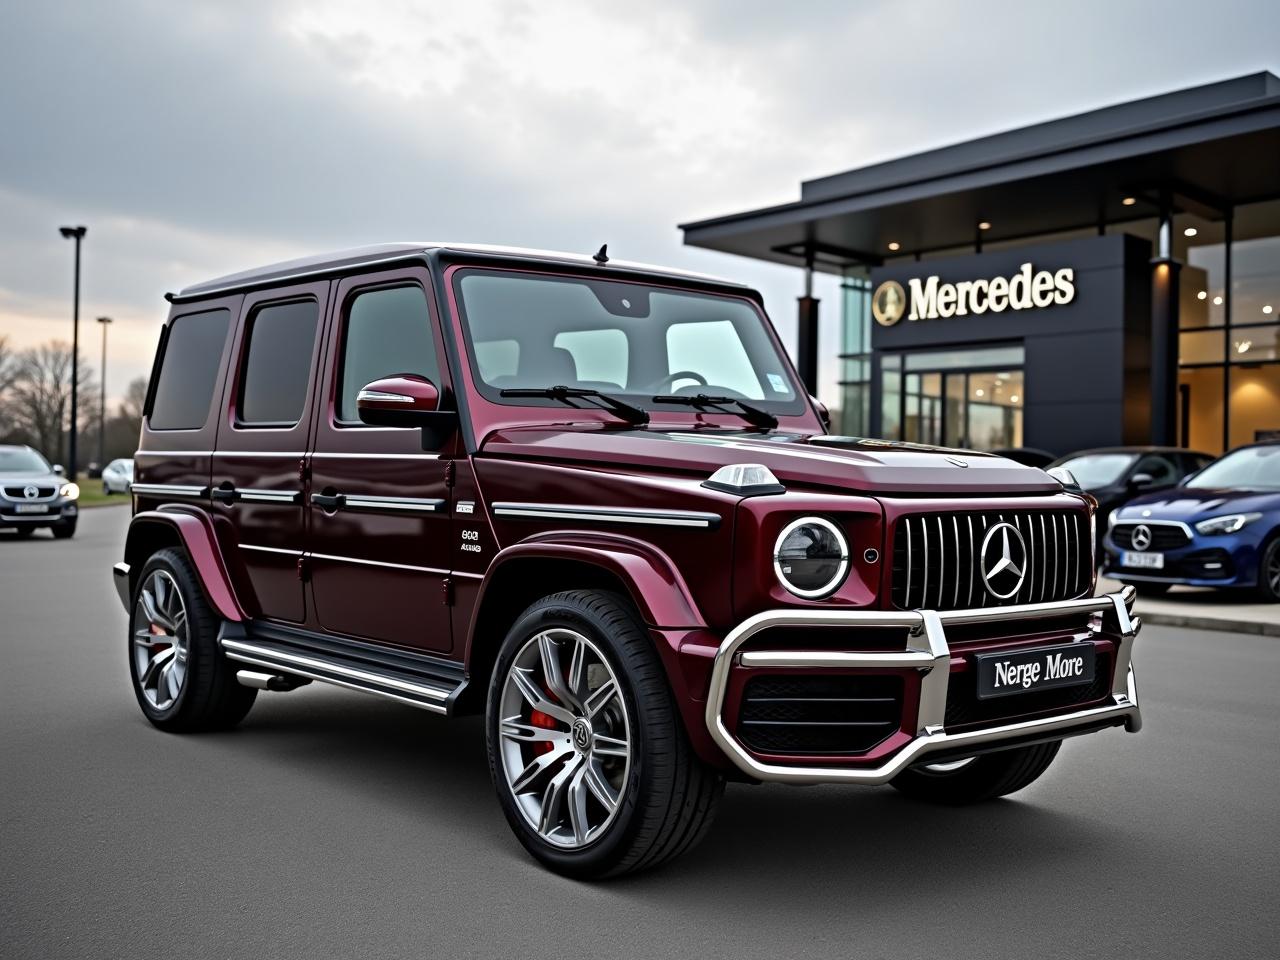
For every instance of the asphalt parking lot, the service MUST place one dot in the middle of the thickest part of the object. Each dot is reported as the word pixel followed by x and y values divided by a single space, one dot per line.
pixel 335 825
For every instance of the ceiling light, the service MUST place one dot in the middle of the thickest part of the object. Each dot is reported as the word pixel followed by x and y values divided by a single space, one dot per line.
pixel 1014 398
pixel 894 245
pixel 1202 294
pixel 1217 301
pixel 984 224
pixel 979 392
pixel 1242 346
pixel 1267 309
pixel 1129 201
pixel 1189 232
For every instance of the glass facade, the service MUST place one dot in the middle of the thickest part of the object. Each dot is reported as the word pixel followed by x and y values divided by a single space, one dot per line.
pixel 1228 348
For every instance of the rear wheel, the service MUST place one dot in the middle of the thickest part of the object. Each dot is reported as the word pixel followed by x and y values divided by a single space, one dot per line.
pixel 1269 572
pixel 181 677
pixel 592 766
pixel 974 779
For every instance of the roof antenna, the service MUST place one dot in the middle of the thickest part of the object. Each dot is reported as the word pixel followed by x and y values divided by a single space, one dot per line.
pixel 601 255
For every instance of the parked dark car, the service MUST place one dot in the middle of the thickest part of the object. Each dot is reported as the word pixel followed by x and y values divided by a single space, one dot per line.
pixel 592 501
pixel 35 495
pixel 1115 475
pixel 1029 456
pixel 1220 528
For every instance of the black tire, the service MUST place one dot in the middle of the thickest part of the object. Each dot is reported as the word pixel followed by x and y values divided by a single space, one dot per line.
pixel 1268 589
pixel 210 697
pixel 669 797
pixel 25 533
pixel 984 777
pixel 64 529
pixel 106 490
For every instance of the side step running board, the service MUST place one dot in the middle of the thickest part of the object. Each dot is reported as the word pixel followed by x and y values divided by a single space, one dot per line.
pixel 416 680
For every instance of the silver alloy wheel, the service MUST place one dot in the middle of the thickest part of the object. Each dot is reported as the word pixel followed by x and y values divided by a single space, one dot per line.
pixel 160 642
pixel 565 737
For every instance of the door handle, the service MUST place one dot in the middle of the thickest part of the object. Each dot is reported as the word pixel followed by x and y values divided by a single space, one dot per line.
pixel 328 501
pixel 225 494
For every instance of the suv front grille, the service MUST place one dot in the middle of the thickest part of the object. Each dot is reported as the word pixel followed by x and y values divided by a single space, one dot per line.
pixel 831 715
pixel 936 562
pixel 18 492
pixel 1163 536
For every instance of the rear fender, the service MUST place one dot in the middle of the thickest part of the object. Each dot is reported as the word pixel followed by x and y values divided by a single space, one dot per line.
pixel 191 529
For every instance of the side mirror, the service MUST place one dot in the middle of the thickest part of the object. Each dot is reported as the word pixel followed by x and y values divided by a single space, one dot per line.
pixel 405 400
pixel 1140 481
pixel 823 413
pixel 57 469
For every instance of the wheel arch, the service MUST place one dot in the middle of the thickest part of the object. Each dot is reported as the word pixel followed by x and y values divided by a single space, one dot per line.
pixel 155 530
pixel 525 572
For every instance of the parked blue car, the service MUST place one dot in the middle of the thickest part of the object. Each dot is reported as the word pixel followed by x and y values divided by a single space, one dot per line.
pixel 1219 528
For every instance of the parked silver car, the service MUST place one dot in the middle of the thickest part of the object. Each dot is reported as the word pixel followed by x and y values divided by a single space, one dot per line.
pixel 117 476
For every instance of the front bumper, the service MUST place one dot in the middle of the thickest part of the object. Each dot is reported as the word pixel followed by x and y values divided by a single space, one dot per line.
pixel 926 651
pixel 56 511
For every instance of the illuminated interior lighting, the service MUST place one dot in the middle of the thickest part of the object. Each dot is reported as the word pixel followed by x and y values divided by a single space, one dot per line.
pixel 894 245
pixel 1217 301
pixel 1242 346
pixel 1267 309
pixel 1189 232
pixel 1202 294
pixel 984 225
pixel 1129 201
pixel 1014 398
pixel 979 392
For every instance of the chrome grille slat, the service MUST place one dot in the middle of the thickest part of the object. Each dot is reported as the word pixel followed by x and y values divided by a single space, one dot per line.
pixel 927 570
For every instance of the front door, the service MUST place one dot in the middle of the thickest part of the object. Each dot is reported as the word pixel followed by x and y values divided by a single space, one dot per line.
pixel 257 482
pixel 379 547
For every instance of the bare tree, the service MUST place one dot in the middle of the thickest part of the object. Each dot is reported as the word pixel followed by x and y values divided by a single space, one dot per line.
pixel 41 395
pixel 125 426
pixel 8 374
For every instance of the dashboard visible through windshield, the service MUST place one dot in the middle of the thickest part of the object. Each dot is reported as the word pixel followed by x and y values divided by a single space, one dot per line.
pixel 633 341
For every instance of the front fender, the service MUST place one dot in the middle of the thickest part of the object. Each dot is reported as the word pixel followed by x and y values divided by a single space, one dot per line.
pixel 655 585
pixel 191 529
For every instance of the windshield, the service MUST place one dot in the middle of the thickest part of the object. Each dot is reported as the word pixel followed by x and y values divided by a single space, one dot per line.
pixel 1094 470
pixel 22 460
pixel 630 340
pixel 1253 468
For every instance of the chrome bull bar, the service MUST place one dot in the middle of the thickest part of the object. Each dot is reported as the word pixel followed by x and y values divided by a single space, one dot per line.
pixel 928 652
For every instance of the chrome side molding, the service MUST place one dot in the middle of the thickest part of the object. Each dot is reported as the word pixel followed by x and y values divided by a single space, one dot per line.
pixel 926 650
pixel 628 515
pixel 181 490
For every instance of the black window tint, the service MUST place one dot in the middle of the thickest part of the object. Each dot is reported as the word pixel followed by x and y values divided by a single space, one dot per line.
pixel 273 386
pixel 188 369
pixel 388 332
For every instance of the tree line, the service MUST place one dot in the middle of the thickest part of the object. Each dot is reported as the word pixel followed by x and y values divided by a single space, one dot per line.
pixel 35 405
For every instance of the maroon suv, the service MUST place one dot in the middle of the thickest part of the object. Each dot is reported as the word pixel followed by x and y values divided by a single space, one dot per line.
pixel 592 501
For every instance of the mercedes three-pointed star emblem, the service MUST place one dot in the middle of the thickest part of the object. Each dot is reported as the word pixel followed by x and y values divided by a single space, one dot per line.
pixel 1141 537
pixel 1002 560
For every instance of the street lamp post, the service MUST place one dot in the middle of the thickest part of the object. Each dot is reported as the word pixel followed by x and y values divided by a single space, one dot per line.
pixel 76 233
pixel 102 395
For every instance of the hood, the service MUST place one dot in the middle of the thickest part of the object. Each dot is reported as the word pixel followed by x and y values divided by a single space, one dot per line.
pixel 20 480
pixel 842 463
pixel 1191 504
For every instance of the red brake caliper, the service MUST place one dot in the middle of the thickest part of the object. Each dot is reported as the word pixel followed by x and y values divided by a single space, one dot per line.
pixel 546 722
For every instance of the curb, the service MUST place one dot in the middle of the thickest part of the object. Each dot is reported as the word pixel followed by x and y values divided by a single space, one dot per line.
pixel 1255 627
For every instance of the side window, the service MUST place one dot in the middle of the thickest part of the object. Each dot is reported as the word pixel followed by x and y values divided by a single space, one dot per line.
pixel 188 370
pixel 1159 468
pixel 277 364
pixel 712 349
pixel 600 356
pixel 388 332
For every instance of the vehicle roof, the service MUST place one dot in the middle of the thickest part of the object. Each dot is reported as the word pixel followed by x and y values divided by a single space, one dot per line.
pixel 378 253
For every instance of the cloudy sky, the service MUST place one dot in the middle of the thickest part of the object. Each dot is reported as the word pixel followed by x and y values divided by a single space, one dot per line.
pixel 195 139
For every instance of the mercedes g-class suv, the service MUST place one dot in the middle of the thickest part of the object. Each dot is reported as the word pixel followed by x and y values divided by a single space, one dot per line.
pixel 592 501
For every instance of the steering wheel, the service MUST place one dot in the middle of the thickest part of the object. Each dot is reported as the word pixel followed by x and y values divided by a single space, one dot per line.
pixel 670 379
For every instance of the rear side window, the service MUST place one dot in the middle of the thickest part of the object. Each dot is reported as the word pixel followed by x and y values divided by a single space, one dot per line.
pixel 388 332
pixel 188 370
pixel 277 364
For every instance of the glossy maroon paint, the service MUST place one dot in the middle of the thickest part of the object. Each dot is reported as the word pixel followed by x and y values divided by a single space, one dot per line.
pixel 449 580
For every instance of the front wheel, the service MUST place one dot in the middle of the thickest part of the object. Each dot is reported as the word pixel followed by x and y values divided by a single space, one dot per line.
pixel 64 529
pixel 1269 573
pixel 593 768
pixel 974 779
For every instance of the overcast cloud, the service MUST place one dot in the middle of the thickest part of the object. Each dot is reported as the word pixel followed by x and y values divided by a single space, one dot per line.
pixel 195 139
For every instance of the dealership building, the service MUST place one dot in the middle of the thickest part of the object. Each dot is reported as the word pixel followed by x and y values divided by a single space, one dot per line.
pixel 1108 278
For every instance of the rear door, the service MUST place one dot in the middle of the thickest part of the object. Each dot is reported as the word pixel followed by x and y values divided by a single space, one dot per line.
pixel 379 541
pixel 257 479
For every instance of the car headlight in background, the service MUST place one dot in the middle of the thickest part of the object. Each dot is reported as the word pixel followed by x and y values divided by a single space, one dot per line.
pixel 811 557
pixel 1226 524
pixel 70 491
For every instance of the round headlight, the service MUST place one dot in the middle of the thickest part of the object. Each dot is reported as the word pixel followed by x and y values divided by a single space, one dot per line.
pixel 811 557
pixel 70 491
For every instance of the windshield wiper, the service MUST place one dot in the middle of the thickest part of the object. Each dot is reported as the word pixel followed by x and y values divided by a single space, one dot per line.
pixel 753 415
pixel 620 408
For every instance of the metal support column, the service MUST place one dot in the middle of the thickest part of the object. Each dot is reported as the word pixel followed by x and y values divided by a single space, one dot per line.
pixel 807 332
pixel 1164 335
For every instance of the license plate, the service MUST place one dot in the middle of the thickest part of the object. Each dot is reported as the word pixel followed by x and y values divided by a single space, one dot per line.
pixel 1146 561
pixel 1006 674
pixel 32 508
